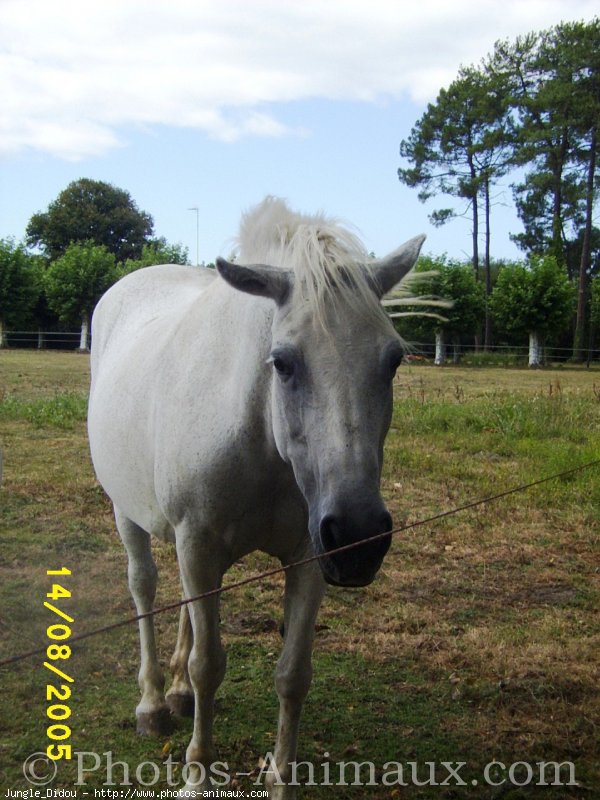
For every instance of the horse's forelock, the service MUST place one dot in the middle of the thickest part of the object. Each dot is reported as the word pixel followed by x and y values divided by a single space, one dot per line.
pixel 327 259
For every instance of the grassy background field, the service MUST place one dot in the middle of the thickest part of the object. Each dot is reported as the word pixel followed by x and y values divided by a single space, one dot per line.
pixel 479 640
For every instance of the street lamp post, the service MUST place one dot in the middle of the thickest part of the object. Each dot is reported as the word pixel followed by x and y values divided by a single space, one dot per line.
pixel 197 210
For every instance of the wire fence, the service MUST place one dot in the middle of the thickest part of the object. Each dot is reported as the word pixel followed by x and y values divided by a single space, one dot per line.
pixel 500 354
pixel 316 557
pixel 43 340
pixel 468 354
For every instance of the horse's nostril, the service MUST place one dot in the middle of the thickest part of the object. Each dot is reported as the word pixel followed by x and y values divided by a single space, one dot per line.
pixel 330 533
pixel 335 534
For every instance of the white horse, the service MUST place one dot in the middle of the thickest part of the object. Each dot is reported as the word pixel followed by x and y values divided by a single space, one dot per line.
pixel 244 412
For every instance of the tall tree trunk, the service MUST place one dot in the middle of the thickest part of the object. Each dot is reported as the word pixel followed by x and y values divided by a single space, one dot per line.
pixel 586 249
pixel 557 166
pixel 456 351
pixel 591 344
pixel 40 339
pixel 487 343
pixel 535 350
pixel 440 348
pixel 475 235
pixel 3 339
pixel 475 238
pixel 84 338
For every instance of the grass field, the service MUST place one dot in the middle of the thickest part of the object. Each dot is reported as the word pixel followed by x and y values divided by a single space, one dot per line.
pixel 479 640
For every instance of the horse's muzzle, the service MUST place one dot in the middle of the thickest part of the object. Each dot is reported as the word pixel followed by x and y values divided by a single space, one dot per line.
pixel 357 565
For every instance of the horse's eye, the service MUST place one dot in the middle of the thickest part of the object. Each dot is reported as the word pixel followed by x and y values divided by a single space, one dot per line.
pixel 283 367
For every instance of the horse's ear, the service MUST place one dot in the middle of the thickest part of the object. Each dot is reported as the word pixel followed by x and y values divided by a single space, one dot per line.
pixel 257 279
pixel 387 272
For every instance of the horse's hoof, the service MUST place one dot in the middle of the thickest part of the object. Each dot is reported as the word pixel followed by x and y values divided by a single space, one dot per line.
pixel 180 704
pixel 154 723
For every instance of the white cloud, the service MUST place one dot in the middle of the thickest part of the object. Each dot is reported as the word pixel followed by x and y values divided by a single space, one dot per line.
pixel 74 76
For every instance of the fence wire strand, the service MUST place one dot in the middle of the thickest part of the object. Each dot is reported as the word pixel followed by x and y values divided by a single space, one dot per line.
pixel 302 562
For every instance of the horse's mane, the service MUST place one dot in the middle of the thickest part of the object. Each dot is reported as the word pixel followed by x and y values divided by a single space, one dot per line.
pixel 326 258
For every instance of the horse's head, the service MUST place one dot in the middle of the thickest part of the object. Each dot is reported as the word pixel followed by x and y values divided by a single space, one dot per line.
pixel 334 354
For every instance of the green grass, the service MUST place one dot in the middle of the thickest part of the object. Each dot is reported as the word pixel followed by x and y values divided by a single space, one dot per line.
pixel 500 359
pixel 478 641
pixel 511 418
pixel 61 411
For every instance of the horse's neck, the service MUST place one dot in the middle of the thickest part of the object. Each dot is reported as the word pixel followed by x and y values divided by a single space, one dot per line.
pixel 239 340
pixel 243 322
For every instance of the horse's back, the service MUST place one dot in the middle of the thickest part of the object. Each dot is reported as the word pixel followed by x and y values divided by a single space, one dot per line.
pixel 142 297
pixel 132 325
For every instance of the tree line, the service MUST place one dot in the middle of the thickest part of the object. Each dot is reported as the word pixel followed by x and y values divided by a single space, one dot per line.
pixel 89 237
pixel 93 234
pixel 530 109
pixel 532 301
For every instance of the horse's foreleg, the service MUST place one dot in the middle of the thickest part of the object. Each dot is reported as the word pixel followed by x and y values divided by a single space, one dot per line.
pixel 304 589
pixel 206 663
pixel 180 697
pixel 153 717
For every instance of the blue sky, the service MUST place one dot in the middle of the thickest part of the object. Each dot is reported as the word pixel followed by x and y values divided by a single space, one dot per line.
pixel 216 105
